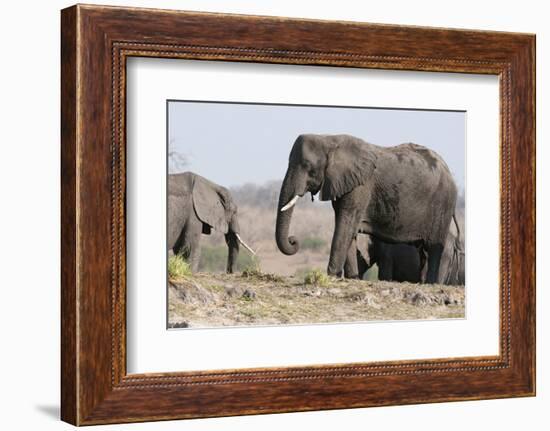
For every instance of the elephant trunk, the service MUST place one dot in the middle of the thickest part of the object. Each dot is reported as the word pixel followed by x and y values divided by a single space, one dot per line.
pixel 233 250
pixel 287 245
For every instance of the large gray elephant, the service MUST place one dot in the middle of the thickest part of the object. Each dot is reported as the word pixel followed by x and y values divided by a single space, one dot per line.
pixel 401 194
pixel 195 206
pixel 405 262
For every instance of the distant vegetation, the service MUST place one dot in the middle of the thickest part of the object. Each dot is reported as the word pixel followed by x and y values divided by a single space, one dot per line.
pixel 313 243
pixel 265 196
pixel 214 259
pixel 177 161
pixel 260 196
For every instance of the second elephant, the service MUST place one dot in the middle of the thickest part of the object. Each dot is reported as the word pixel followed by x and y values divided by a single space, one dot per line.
pixel 195 206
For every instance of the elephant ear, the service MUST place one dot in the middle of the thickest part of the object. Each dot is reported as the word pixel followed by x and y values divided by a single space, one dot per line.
pixel 350 164
pixel 210 205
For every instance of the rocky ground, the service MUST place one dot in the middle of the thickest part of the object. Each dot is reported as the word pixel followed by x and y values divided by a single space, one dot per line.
pixel 254 298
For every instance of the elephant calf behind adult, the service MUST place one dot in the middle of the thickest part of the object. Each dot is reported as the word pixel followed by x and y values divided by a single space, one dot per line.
pixel 402 194
pixel 405 262
pixel 396 262
pixel 195 206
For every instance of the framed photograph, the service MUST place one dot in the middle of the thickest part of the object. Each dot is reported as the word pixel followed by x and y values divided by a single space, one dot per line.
pixel 264 214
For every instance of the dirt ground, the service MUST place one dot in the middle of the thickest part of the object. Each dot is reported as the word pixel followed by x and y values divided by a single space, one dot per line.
pixel 248 299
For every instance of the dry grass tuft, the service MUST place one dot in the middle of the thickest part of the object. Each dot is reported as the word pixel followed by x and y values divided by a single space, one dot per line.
pixel 256 274
pixel 178 268
pixel 316 277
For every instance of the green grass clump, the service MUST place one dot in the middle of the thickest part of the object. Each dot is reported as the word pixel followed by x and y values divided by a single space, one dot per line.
pixel 316 277
pixel 252 272
pixel 178 267
pixel 312 243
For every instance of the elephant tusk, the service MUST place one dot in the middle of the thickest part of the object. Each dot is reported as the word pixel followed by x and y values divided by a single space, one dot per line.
pixel 245 244
pixel 290 204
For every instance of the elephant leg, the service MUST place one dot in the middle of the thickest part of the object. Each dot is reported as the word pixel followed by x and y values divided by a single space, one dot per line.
pixel 188 244
pixel 385 270
pixel 344 233
pixel 195 253
pixel 434 259
pixel 351 267
pixel 233 251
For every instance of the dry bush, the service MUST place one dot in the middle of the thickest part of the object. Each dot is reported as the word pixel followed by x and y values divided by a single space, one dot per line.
pixel 178 268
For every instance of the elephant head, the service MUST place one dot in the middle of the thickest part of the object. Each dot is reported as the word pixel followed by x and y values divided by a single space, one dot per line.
pixel 214 206
pixel 330 164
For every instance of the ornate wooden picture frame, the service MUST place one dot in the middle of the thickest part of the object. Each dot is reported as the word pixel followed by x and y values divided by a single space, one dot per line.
pixel 96 42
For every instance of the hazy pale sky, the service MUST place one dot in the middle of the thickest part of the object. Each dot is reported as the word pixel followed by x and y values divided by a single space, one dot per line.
pixel 233 144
